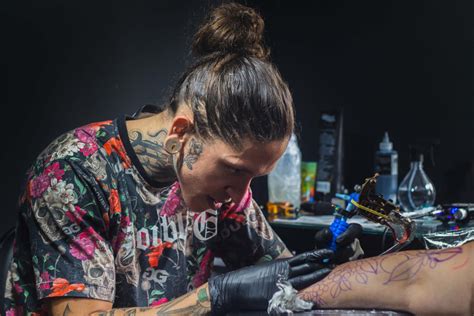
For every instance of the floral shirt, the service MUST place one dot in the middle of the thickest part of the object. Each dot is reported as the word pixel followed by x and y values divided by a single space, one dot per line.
pixel 92 224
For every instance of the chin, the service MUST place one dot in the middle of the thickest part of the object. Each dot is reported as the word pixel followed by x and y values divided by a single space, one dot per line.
pixel 197 206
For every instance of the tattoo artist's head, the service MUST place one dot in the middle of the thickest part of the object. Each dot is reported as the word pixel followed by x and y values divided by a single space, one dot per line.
pixel 231 109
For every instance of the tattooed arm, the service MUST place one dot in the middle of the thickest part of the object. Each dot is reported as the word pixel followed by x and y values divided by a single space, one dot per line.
pixel 422 282
pixel 196 302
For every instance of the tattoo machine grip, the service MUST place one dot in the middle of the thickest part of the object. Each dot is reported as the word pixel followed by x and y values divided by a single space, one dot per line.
pixel 339 225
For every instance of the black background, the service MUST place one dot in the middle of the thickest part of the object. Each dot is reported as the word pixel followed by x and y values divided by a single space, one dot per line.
pixel 401 66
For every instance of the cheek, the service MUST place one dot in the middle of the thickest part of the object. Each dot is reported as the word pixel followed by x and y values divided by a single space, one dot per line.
pixel 199 179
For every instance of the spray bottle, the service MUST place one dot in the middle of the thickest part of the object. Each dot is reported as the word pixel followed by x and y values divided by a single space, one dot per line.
pixel 284 182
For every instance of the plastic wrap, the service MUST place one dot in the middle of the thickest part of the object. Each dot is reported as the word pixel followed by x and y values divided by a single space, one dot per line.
pixel 286 301
pixel 448 239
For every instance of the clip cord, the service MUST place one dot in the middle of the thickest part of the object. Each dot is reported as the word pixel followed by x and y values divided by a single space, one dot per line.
pixel 362 207
pixel 400 242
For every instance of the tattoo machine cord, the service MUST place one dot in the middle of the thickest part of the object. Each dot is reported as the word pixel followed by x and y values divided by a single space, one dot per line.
pixel 365 202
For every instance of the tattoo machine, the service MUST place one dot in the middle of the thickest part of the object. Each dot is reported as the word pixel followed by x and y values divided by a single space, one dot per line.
pixel 365 202
pixel 339 224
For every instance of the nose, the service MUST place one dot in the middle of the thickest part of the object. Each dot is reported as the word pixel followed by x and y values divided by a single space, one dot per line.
pixel 238 191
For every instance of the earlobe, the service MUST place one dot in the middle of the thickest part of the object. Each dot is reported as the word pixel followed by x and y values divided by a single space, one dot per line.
pixel 173 144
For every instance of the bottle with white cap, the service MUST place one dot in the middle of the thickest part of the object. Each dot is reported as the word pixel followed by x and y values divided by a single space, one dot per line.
pixel 386 165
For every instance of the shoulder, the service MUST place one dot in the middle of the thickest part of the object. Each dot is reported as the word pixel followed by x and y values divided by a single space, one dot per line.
pixel 75 153
pixel 77 144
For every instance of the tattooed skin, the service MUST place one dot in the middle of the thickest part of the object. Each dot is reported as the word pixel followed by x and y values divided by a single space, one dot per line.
pixel 405 268
pixel 200 306
pixel 156 161
pixel 194 151
pixel 67 311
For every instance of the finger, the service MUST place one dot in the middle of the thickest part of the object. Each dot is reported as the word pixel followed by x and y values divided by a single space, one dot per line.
pixel 352 232
pixel 316 256
pixel 303 281
pixel 343 254
pixel 304 268
pixel 323 238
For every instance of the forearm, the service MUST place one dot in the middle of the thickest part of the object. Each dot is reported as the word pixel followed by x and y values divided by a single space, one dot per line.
pixel 422 282
pixel 196 302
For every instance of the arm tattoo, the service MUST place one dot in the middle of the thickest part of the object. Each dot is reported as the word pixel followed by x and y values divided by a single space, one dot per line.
pixel 131 312
pixel 156 161
pixel 406 267
pixel 109 313
pixel 195 150
pixel 201 307
pixel 67 310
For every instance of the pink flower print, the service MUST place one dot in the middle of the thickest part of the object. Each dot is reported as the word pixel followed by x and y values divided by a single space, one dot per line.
pixel 86 135
pixel 18 288
pixel 91 234
pixel 204 271
pixel 39 185
pixel 76 216
pixel 122 234
pixel 159 302
pixel 54 171
pixel 244 203
pixel 173 201
pixel 235 211
pixel 45 281
pixel 82 247
pixel 15 311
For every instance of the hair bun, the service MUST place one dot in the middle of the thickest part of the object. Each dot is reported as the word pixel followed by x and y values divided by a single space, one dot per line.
pixel 231 28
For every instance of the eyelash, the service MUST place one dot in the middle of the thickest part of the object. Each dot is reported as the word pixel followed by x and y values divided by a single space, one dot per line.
pixel 234 170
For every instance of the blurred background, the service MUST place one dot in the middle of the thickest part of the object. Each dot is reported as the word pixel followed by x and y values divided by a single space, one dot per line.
pixel 405 67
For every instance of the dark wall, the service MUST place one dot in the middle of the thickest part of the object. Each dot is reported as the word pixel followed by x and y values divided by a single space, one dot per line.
pixel 405 67
pixel 74 62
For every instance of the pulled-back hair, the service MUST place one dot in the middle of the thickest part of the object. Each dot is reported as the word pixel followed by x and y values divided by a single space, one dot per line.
pixel 234 91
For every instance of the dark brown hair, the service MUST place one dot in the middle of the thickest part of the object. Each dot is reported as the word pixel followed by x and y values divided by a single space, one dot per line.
pixel 234 91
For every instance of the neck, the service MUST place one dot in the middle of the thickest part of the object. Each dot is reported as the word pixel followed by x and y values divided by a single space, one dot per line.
pixel 147 136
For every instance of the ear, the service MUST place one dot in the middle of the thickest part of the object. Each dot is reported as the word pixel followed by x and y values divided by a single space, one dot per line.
pixel 180 126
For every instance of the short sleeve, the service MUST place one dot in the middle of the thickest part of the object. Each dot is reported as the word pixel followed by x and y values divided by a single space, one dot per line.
pixel 245 237
pixel 63 235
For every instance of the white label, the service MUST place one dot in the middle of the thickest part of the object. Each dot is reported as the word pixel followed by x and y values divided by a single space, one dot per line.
pixel 323 186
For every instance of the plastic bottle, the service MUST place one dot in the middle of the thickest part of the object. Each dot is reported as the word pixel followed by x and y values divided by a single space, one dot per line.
pixel 386 165
pixel 416 190
pixel 284 182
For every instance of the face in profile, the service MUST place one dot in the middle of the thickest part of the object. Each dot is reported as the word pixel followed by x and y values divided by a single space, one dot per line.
pixel 213 171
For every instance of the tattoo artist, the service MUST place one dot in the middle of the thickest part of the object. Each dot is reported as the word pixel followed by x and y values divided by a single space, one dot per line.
pixel 125 217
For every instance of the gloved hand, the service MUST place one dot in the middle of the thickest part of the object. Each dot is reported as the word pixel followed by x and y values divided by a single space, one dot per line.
pixel 251 288
pixel 348 245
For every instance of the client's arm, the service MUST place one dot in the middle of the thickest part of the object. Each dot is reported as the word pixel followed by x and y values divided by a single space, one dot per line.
pixel 422 282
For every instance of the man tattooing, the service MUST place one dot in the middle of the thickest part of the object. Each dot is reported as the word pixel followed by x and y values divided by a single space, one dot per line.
pixel 126 216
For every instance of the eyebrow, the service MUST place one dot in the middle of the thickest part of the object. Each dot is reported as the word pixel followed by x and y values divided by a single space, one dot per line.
pixel 236 166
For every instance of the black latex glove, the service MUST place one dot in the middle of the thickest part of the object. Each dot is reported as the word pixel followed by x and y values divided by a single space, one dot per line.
pixel 345 242
pixel 251 288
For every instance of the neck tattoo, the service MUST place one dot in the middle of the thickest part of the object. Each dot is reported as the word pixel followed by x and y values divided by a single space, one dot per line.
pixel 156 161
